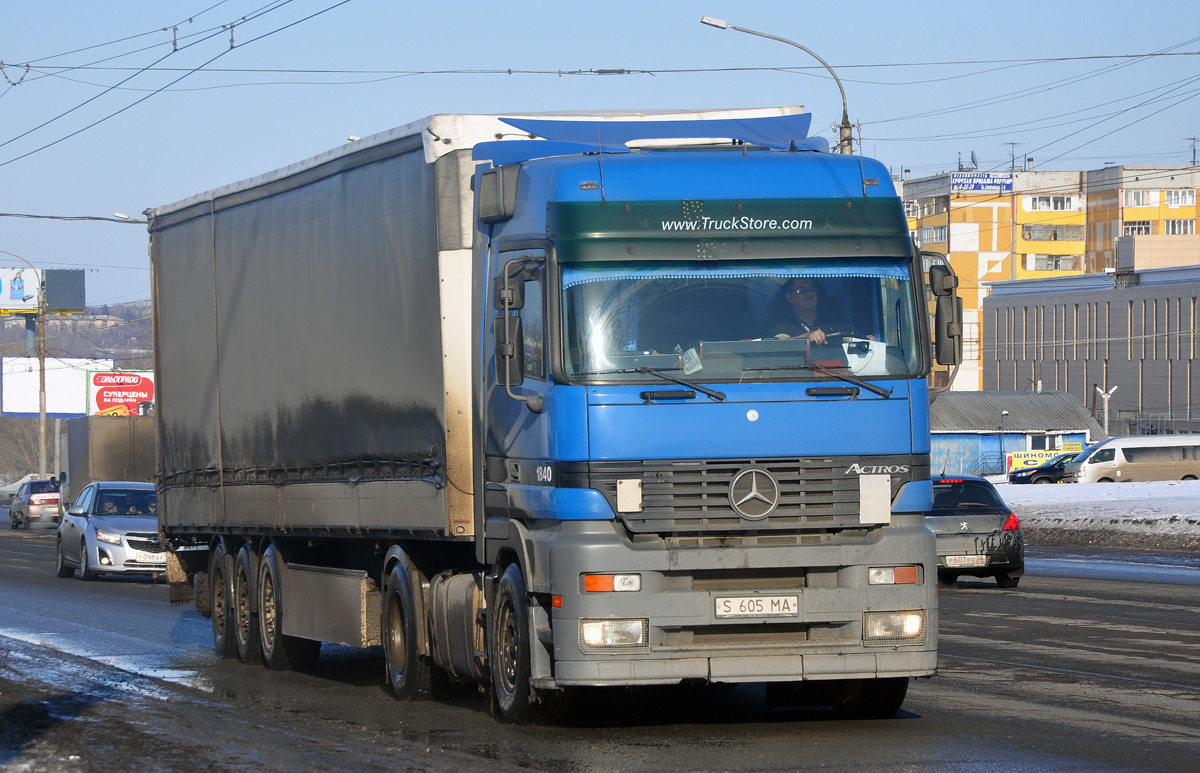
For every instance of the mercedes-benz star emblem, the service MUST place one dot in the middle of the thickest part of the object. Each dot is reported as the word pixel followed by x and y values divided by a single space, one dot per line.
pixel 754 493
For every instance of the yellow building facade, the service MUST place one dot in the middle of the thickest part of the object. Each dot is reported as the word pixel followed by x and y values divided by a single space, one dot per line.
pixel 996 226
pixel 1137 201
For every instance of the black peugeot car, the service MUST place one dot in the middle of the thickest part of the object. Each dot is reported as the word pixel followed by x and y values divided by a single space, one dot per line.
pixel 977 534
pixel 1049 471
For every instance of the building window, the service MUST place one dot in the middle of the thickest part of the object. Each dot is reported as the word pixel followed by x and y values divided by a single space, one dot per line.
pixel 1052 262
pixel 941 233
pixel 1053 233
pixel 970 339
pixel 1049 203
pixel 1179 227
pixel 926 207
pixel 912 208
pixel 1137 198
pixel 1135 227
pixel 1180 198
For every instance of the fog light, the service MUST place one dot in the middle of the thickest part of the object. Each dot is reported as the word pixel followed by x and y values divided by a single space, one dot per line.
pixel 603 635
pixel 105 560
pixel 901 627
pixel 892 575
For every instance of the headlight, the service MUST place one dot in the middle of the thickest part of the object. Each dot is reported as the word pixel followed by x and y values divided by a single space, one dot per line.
pixel 614 635
pixel 112 539
pixel 890 628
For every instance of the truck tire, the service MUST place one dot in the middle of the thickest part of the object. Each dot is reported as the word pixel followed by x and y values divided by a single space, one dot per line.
pixel 279 651
pixel 867 698
pixel 508 647
pixel 409 674
pixel 60 561
pixel 245 612
pixel 220 595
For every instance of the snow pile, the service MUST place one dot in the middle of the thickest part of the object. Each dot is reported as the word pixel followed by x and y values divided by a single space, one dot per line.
pixel 1161 514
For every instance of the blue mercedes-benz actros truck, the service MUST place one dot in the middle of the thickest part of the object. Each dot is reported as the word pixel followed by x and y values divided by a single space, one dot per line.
pixel 544 402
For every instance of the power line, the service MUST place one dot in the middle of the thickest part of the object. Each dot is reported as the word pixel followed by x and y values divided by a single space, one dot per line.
pixel 172 83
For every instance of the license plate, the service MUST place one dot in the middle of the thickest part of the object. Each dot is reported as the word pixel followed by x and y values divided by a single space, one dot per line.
pixel 149 558
pixel 966 560
pixel 758 606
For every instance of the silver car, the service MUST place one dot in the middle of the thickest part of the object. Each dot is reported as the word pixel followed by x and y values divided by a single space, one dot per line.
pixel 36 504
pixel 112 528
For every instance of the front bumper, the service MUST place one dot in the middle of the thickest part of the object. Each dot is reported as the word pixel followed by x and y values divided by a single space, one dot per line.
pixel 106 558
pixel 685 639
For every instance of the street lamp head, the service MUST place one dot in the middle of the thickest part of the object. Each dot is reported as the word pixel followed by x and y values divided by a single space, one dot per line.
pixel 1003 413
pixel 720 24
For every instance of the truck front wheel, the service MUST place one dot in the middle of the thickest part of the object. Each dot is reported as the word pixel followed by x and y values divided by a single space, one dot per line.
pixel 867 698
pixel 508 646
pixel 409 675
pixel 245 629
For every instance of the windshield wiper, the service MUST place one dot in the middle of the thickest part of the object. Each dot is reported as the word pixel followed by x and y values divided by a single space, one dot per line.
pixel 718 396
pixel 838 373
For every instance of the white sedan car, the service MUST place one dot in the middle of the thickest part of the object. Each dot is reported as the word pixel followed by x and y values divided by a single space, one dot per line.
pixel 112 528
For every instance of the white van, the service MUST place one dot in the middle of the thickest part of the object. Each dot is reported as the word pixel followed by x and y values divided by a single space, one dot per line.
pixel 1143 457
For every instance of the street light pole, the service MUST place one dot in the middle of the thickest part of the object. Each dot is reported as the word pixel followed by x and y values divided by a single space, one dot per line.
pixel 846 129
pixel 1104 396
pixel 1003 461
pixel 41 326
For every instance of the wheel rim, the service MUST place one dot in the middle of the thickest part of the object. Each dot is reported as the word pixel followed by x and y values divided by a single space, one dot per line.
pixel 267 614
pixel 397 641
pixel 83 562
pixel 219 603
pixel 58 556
pixel 242 593
pixel 507 647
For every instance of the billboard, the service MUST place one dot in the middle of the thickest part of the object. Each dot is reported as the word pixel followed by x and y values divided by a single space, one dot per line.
pixel 121 393
pixel 19 290
pixel 981 182
pixel 66 385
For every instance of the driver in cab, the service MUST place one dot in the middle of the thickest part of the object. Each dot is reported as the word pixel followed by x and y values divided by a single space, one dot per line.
pixel 801 313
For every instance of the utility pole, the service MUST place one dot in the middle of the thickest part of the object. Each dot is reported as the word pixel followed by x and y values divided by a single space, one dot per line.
pixel 1193 141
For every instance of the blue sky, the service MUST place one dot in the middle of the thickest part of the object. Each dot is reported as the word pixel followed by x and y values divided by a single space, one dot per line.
pixel 927 82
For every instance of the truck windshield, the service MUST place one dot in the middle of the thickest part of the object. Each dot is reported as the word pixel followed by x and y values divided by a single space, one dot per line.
pixel 740 320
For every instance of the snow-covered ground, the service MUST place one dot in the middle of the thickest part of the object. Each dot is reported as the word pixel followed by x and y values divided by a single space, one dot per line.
pixel 1162 514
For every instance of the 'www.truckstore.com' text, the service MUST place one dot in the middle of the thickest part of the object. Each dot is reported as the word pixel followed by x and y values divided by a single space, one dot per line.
pixel 744 223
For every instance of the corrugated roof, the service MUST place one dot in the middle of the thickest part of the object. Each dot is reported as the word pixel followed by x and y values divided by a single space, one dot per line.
pixel 1027 412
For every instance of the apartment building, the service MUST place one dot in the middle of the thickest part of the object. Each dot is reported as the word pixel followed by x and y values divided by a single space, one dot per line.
pixel 997 226
pixel 1139 201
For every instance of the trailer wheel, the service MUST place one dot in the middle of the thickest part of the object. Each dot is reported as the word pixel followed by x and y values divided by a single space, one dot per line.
pixel 409 674
pixel 508 647
pixel 245 613
pixel 220 575
pixel 280 652
pixel 867 698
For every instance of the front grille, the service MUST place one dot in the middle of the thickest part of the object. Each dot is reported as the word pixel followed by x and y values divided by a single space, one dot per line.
pixel 149 543
pixel 692 496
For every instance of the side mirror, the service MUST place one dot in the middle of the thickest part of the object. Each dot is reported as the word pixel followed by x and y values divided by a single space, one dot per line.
pixel 947 338
pixel 76 510
pixel 941 281
pixel 510 351
pixel 498 193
